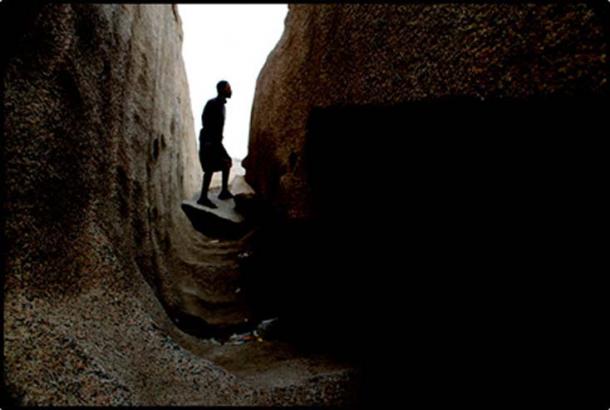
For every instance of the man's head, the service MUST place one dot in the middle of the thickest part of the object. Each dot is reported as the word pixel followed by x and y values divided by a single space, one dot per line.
pixel 224 89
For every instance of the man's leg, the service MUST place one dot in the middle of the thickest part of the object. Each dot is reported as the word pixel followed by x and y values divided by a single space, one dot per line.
pixel 224 193
pixel 203 199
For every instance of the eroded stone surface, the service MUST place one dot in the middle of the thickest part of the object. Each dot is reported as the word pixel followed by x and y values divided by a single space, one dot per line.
pixel 384 55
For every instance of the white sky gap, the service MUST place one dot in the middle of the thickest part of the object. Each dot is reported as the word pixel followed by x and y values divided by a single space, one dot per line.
pixel 228 42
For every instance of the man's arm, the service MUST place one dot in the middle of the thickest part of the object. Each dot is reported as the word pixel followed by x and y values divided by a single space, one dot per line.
pixel 205 115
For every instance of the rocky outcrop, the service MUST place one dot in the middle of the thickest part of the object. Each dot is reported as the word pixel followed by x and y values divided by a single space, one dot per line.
pixel 385 56
pixel 432 163
pixel 99 153
pixel 98 156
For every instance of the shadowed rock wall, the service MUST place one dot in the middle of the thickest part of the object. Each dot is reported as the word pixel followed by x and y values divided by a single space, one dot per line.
pixel 384 55
pixel 436 162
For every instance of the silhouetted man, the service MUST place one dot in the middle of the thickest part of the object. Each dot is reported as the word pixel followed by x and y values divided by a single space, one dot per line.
pixel 212 153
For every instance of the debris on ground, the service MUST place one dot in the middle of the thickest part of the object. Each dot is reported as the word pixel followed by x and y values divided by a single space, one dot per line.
pixel 264 330
pixel 243 255
pixel 236 339
pixel 267 327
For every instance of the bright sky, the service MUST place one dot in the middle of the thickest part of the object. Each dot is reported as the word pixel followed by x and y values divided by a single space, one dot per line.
pixel 228 42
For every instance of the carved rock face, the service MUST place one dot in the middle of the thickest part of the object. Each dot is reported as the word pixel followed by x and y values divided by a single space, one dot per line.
pixel 99 131
pixel 99 153
pixel 380 56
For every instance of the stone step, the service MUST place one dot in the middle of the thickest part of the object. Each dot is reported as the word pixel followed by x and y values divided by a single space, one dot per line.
pixel 223 222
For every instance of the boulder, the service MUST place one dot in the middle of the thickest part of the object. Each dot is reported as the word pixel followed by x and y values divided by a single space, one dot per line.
pixel 225 221
pixel 340 65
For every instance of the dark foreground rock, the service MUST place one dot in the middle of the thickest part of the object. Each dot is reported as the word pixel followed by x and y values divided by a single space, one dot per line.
pixel 221 222
pixel 231 219
pixel 438 168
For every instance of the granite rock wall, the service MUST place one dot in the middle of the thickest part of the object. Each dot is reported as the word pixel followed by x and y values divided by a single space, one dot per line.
pixel 99 153
pixel 333 56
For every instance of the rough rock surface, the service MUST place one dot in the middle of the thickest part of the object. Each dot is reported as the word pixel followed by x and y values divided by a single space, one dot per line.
pixel 433 160
pixel 99 153
pixel 337 55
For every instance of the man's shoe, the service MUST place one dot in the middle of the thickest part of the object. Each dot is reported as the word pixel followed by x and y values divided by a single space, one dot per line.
pixel 206 202
pixel 225 195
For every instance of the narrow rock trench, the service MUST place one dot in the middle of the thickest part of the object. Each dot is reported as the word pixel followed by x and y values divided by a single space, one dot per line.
pixel 363 252
pixel 88 297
